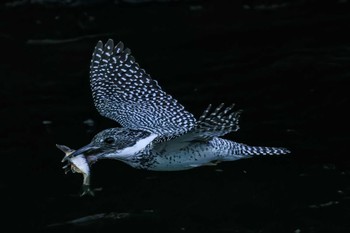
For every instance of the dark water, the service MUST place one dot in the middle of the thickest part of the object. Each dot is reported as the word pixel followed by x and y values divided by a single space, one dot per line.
pixel 285 64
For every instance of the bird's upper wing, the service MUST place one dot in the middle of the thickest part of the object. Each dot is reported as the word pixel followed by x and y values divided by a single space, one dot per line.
pixel 124 92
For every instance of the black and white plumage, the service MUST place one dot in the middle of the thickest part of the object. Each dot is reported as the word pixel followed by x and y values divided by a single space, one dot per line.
pixel 124 92
pixel 157 133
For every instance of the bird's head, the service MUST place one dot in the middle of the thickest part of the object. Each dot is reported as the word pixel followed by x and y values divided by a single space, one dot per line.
pixel 115 143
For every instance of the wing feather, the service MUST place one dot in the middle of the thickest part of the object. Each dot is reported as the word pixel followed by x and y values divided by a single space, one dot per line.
pixel 124 92
pixel 211 124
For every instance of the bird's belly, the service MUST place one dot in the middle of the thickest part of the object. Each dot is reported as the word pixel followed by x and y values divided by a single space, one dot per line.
pixel 182 160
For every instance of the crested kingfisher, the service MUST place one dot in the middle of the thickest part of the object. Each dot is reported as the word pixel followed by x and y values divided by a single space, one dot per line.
pixel 156 132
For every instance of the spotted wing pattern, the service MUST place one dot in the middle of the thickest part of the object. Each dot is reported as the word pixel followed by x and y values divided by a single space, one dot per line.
pixel 124 92
pixel 218 122
pixel 214 123
pixel 210 125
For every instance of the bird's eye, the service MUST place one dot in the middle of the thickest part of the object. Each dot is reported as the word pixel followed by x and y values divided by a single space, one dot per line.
pixel 109 140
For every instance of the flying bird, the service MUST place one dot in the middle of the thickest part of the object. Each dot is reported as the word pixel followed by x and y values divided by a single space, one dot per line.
pixel 157 132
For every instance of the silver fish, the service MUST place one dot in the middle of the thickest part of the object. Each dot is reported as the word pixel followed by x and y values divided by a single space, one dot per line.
pixel 78 164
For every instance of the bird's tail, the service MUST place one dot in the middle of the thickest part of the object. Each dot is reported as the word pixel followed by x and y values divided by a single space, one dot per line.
pixel 261 150
pixel 230 150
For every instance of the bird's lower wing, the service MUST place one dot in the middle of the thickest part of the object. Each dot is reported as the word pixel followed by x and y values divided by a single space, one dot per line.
pixel 212 123
pixel 215 123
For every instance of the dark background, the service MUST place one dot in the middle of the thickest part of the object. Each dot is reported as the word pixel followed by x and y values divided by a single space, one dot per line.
pixel 285 63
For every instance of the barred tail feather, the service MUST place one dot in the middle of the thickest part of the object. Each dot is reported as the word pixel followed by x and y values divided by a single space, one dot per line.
pixel 228 150
pixel 261 150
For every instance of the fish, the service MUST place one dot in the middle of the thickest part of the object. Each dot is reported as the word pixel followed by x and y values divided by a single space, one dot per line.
pixel 77 164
